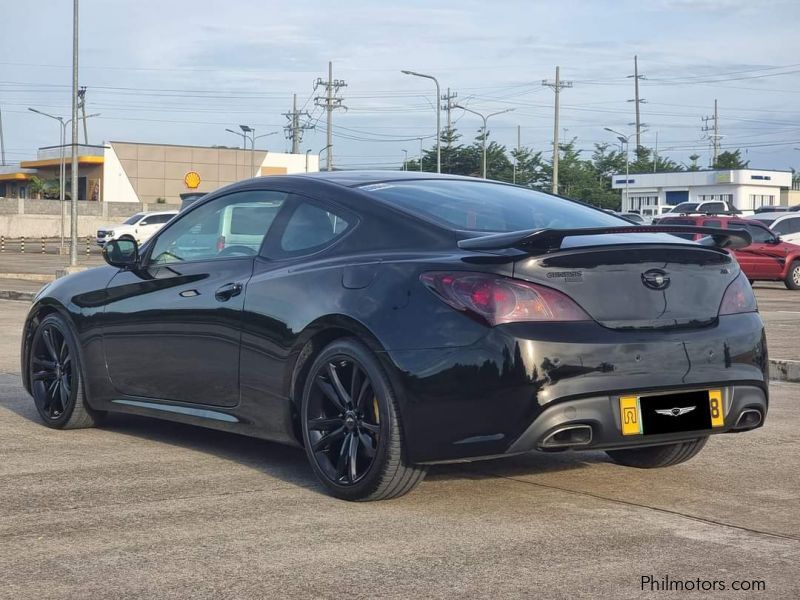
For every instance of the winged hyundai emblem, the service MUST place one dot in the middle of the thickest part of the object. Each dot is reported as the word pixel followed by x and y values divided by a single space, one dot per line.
pixel 675 412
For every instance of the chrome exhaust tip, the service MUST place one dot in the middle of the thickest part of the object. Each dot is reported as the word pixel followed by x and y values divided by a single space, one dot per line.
pixel 568 437
pixel 748 419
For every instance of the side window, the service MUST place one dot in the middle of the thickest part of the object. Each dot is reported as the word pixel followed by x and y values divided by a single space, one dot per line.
pixel 310 227
pixel 712 223
pixel 792 225
pixel 158 219
pixel 760 235
pixel 713 207
pixel 233 225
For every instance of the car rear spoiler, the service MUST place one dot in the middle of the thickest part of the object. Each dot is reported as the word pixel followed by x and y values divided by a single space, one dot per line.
pixel 546 240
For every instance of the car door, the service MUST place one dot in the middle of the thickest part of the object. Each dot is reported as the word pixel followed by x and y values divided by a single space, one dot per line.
pixel 761 259
pixel 172 328
pixel 150 225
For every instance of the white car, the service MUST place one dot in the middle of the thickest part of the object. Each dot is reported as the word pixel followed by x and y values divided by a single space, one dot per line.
pixel 140 227
pixel 785 224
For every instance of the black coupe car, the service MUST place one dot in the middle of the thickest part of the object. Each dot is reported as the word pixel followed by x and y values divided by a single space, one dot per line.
pixel 388 321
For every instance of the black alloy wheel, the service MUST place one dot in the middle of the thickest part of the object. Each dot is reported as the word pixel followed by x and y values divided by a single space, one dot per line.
pixel 55 377
pixel 351 427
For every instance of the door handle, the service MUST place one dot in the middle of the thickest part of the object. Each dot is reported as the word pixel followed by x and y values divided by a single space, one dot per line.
pixel 228 291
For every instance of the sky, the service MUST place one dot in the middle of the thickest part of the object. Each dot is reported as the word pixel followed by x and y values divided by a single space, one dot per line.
pixel 181 72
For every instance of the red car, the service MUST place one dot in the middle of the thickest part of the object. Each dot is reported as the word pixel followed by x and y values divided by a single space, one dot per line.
pixel 768 258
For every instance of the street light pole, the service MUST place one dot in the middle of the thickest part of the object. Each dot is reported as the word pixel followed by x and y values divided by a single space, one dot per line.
pixel 485 131
pixel 405 159
pixel 625 139
pixel 73 254
pixel 438 119
pixel 307 151
pixel 62 167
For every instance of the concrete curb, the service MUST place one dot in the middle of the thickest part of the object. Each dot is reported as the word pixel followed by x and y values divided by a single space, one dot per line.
pixel 779 370
pixel 39 277
pixel 784 370
pixel 16 295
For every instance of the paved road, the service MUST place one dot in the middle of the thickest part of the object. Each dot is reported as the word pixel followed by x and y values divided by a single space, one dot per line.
pixel 148 509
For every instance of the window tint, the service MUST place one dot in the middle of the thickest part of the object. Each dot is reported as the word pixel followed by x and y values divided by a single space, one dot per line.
pixel 131 220
pixel 233 225
pixel 760 235
pixel 712 207
pixel 311 226
pixel 158 219
pixel 252 220
pixel 685 207
pixel 712 223
pixel 788 226
pixel 481 206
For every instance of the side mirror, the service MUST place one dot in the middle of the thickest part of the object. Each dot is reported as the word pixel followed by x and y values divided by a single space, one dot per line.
pixel 121 253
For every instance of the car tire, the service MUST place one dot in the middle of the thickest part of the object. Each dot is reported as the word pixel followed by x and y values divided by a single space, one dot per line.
pixel 792 280
pixel 656 457
pixel 334 418
pixel 56 377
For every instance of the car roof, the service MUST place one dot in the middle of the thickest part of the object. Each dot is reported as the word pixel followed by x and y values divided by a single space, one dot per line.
pixel 158 212
pixel 358 178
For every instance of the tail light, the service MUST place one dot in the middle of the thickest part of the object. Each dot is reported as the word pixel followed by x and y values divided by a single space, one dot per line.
pixel 220 243
pixel 495 299
pixel 738 298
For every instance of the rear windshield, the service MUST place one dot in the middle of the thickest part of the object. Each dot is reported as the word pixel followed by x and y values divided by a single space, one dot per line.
pixel 685 207
pixel 483 206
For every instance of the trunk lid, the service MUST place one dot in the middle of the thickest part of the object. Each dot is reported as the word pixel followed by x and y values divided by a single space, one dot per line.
pixel 639 285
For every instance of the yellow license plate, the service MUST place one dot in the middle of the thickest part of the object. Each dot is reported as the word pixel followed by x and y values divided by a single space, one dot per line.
pixel 631 418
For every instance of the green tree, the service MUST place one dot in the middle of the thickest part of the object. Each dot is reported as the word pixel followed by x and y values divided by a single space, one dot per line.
pixel 693 166
pixel 730 160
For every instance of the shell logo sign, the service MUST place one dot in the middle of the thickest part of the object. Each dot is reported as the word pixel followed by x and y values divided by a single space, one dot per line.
pixel 192 180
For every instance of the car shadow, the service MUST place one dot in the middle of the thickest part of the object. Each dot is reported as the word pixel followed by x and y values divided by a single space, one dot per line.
pixel 289 464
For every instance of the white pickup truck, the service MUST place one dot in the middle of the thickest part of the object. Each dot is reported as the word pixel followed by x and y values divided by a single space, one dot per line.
pixel 140 227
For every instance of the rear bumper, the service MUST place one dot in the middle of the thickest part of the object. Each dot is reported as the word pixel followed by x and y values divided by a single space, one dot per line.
pixel 511 389
pixel 596 422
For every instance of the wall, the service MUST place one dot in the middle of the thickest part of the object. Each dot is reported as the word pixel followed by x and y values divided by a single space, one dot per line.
pixel 158 170
pixel 36 218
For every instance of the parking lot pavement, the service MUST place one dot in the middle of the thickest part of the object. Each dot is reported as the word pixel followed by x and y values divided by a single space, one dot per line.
pixel 43 264
pixel 780 309
pixel 141 508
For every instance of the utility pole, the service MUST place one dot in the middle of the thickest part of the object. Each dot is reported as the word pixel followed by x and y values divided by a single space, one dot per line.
pixel 712 133
pixel 330 102
pixel 82 106
pixel 556 87
pixel 294 130
pixel 448 106
pixel 637 100
pixel 73 252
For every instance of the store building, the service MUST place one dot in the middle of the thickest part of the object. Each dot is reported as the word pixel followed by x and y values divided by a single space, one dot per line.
pixel 747 189
pixel 149 173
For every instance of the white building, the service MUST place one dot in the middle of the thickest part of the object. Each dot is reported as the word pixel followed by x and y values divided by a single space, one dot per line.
pixel 747 189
